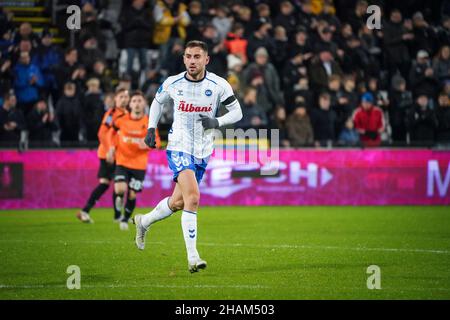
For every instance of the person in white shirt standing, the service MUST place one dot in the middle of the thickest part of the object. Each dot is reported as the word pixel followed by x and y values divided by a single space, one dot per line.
pixel 196 95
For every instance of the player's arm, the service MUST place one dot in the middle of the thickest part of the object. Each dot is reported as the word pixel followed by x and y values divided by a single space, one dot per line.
pixel 233 106
pixel 103 130
pixel 156 108
pixel 111 138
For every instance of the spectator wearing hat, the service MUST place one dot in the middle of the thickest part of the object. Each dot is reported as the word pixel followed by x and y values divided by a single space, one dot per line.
pixel 299 128
pixel 421 76
pixel 41 123
pixel 369 121
pixel 267 81
pixel 323 120
pixel 424 35
pixel 322 69
pixel 443 116
pixel 28 81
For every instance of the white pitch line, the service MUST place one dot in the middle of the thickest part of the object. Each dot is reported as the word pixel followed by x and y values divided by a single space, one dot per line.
pixel 249 245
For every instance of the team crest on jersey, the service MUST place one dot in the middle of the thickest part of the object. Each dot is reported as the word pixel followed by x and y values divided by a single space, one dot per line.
pixel 208 92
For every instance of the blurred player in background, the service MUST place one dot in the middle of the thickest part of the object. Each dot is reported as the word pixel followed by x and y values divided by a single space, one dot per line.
pixel 107 166
pixel 127 147
pixel 196 96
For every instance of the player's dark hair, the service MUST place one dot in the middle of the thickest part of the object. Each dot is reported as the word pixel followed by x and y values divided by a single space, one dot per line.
pixel 137 93
pixel 119 90
pixel 197 44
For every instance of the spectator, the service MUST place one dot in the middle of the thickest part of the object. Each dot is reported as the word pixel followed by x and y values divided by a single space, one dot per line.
pixel 47 58
pixel 12 120
pixel 299 127
pixel 323 121
pixel 424 121
pixel 260 38
pixel 67 71
pixel 235 67
pixel 222 22
pixel 443 32
pixel 281 49
pixel 41 123
pixel 27 83
pixel 301 45
pixel 90 53
pixel 253 115
pixel 217 51
pixel 396 40
pixel 69 114
pixel 244 18
pixel 286 17
pixel 100 72
pixel 26 33
pixel 153 81
pixel 348 100
pixel 349 136
pixel 441 64
pixel 6 75
pixel 175 56
pixel 262 14
pixel 322 69
pixel 443 116
pixel 269 96
pixel 171 19
pixel 421 76
pixel 359 16
pixel 199 20
pixel 380 96
pixel 399 108
pixel 424 36
pixel 278 122
pixel 236 44
pixel 136 22
pixel 92 109
pixel 369 121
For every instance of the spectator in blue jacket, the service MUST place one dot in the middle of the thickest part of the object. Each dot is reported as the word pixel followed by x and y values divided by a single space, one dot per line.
pixel 28 80
pixel 47 58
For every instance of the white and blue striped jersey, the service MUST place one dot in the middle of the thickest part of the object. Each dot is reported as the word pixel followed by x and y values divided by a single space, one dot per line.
pixel 191 99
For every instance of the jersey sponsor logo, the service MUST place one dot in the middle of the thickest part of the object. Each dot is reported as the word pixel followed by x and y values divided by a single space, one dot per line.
pixel 189 107
pixel 208 92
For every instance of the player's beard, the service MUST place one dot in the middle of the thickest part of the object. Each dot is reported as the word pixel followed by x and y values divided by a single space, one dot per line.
pixel 196 73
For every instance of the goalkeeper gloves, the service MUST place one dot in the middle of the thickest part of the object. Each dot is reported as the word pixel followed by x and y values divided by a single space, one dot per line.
pixel 150 138
pixel 209 123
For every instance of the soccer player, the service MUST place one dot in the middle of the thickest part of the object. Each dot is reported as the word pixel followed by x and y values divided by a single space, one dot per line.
pixel 126 141
pixel 106 169
pixel 196 95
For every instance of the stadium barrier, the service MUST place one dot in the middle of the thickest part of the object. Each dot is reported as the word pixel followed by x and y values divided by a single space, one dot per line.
pixel 65 178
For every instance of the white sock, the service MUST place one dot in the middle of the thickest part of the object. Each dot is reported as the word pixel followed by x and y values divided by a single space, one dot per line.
pixel 160 212
pixel 189 226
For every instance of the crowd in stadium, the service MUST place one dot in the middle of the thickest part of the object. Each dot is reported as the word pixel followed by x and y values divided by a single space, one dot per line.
pixel 311 68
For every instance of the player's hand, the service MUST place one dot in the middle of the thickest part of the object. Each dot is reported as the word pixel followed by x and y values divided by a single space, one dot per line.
pixel 209 123
pixel 150 138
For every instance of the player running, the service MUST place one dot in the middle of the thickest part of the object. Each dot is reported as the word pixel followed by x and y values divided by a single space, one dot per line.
pixel 196 95
pixel 126 141
pixel 106 169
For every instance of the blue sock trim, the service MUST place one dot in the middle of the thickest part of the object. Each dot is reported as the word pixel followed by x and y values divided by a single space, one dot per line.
pixel 191 212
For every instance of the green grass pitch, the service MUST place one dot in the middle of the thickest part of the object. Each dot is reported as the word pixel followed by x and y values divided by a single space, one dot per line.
pixel 252 253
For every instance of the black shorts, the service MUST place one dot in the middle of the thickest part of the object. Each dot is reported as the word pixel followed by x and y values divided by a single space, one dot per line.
pixel 134 178
pixel 106 170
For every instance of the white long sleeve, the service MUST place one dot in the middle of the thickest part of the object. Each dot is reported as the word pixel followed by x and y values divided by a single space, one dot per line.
pixel 155 113
pixel 233 115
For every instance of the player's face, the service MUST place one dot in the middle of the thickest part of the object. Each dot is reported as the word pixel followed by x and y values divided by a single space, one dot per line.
pixel 195 60
pixel 122 99
pixel 137 105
